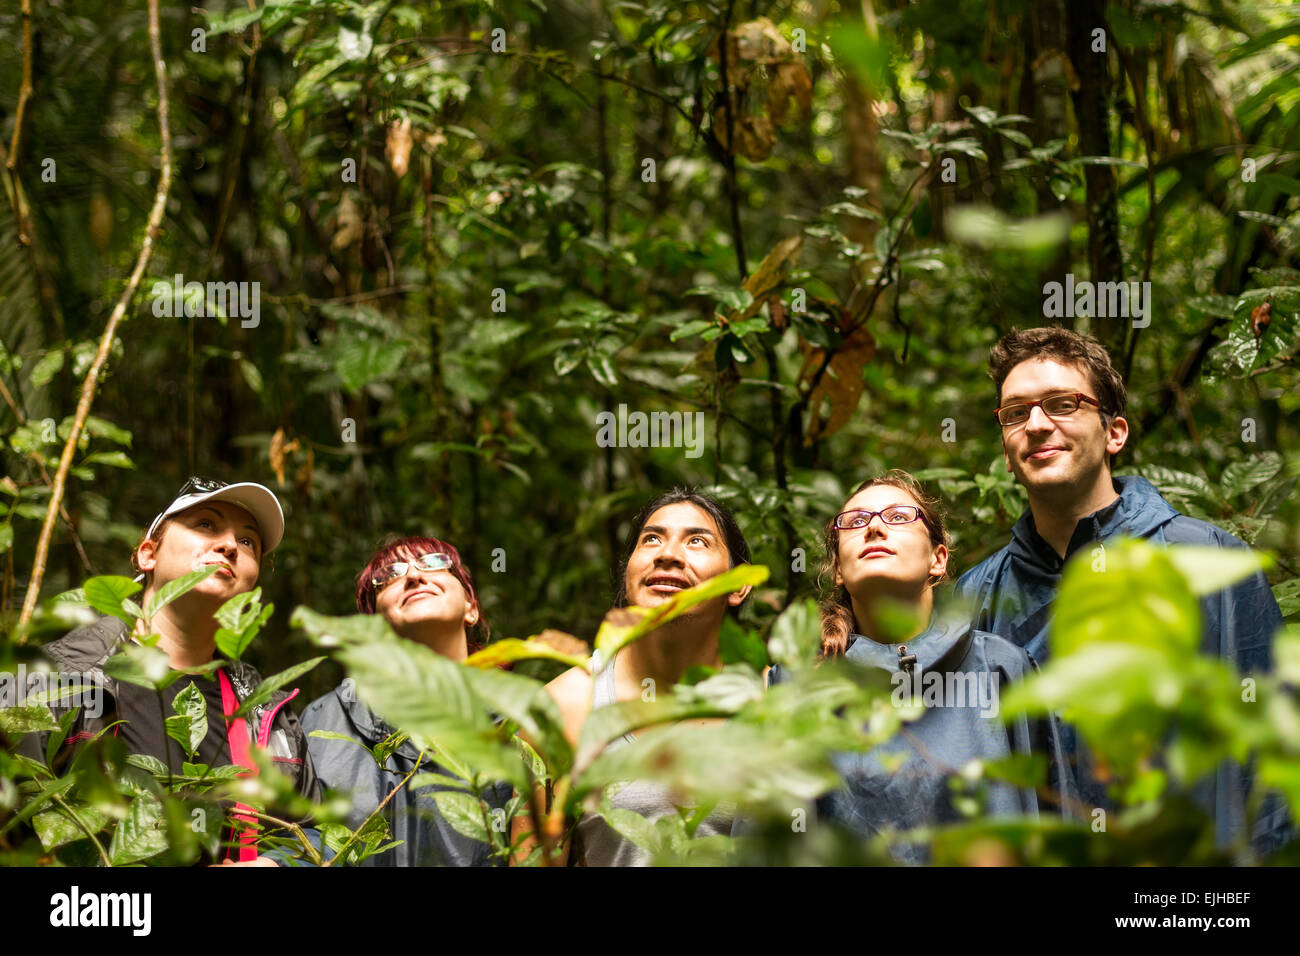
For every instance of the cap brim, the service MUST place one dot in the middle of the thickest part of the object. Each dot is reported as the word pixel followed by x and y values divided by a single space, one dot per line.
pixel 258 500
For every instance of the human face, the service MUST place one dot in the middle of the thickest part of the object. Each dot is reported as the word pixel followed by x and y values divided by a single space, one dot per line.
pixel 679 546
pixel 214 533
pixel 423 599
pixel 881 557
pixel 1069 453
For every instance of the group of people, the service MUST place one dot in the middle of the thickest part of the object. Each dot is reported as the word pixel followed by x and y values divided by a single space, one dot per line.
pixel 1060 406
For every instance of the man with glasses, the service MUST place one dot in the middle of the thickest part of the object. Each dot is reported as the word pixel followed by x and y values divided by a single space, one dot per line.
pixel 1060 408
pixel 209 523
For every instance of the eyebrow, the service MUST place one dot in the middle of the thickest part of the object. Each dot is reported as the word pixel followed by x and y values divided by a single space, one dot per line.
pixel 659 529
pixel 892 504
pixel 251 527
pixel 1013 399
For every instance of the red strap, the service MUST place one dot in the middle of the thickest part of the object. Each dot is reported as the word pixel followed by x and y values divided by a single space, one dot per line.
pixel 238 736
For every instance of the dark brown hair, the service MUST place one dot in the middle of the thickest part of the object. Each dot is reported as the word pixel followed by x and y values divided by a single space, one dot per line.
pixel 1068 348
pixel 835 606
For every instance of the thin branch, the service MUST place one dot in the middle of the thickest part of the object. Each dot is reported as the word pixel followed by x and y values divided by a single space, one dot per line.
pixel 12 185
pixel 91 382
pixel 377 810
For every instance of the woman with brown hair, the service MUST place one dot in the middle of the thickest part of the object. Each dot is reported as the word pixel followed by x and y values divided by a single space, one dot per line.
pixel 886 553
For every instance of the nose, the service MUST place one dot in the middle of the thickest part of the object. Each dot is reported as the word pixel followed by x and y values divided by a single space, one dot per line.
pixel 670 553
pixel 871 528
pixel 1039 421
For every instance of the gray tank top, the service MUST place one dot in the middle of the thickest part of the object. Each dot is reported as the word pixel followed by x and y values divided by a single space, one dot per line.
pixel 599 844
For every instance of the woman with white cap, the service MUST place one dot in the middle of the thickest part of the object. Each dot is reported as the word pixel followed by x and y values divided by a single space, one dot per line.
pixel 208 523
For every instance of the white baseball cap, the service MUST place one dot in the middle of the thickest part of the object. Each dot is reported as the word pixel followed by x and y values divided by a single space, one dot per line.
pixel 257 500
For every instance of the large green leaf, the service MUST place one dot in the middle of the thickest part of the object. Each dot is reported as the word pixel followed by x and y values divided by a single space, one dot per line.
pixel 1125 590
pixel 173 589
pixel 622 626
pixel 262 693
pixel 107 593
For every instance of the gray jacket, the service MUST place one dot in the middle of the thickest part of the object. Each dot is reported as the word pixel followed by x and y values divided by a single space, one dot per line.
pixel 413 818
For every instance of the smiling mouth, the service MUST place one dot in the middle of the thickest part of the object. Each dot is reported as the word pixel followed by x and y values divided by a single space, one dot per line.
pixel 663 584
pixel 415 596
pixel 1044 453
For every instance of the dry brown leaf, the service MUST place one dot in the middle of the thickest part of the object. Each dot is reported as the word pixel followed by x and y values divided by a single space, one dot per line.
pixel 563 642
pixel 280 451
pixel 840 385
pixel 350 225
pixel 398 147
pixel 790 82
pixel 100 225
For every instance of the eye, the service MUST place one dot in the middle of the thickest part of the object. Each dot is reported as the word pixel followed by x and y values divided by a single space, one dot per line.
pixel 700 538
pixel 248 543
pixel 648 537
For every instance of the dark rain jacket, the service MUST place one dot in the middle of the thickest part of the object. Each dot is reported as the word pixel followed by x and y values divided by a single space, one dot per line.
pixel 1012 592
pixel 427 838
pixel 272 725
pixel 962 722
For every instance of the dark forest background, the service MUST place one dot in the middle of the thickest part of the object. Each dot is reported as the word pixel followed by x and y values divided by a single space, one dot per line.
pixel 808 221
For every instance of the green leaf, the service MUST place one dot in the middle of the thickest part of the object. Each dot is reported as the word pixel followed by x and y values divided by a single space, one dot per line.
pixel 465 813
pixel 190 725
pixel 273 683
pixel 113 459
pixel 142 834
pixel 511 649
pixel 796 636
pixel 6 537
pixel 1288 596
pixel 175 588
pixel 1130 591
pixel 622 626
pixel 1241 476
pixel 106 594
pixel 359 362
pixel 1209 570
pixel 27 719
pixel 142 666
pixel 736 644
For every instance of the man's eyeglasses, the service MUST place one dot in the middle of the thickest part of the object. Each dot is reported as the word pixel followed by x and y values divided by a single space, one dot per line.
pixel 435 561
pixel 1054 406
pixel 895 514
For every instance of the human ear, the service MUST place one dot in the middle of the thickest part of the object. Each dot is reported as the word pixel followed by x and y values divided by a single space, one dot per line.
pixel 146 555
pixel 939 562
pixel 737 597
pixel 1116 436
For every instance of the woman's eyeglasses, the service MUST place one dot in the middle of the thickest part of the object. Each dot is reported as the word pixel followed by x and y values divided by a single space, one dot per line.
pixel 434 561
pixel 895 514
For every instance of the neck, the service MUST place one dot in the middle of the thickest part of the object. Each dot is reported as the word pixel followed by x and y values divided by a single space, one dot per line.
pixel 449 640
pixel 187 631
pixel 875 611
pixel 1058 511
pixel 665 654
